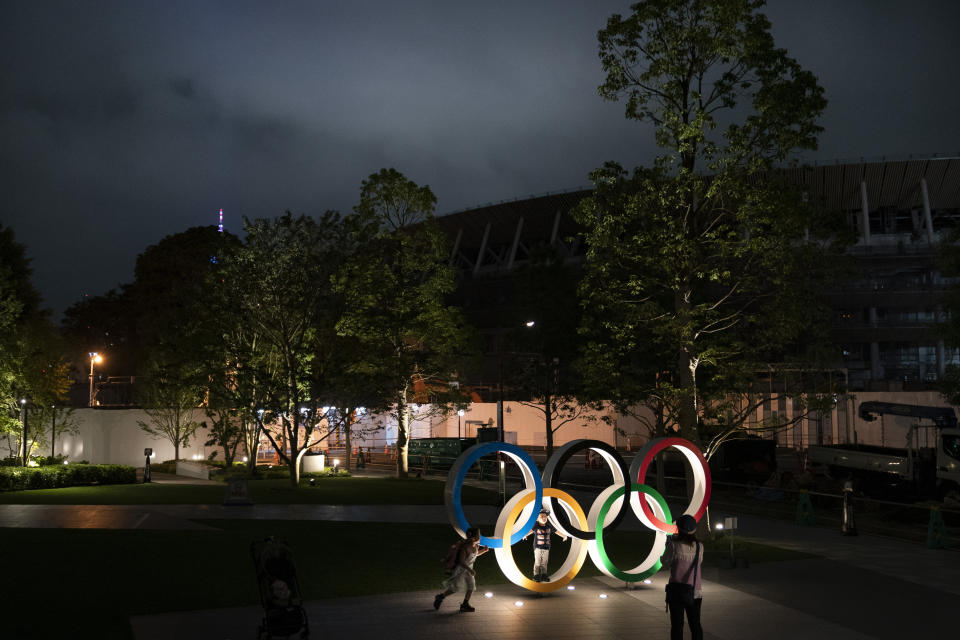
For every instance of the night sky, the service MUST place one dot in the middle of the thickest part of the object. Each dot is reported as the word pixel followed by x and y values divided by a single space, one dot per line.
pixel 122 122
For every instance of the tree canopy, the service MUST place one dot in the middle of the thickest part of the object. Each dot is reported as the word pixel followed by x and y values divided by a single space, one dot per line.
pixel 395 291
pixel 32 366
pixel 706 266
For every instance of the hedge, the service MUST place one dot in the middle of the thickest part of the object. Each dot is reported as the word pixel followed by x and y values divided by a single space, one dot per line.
pixel 64 475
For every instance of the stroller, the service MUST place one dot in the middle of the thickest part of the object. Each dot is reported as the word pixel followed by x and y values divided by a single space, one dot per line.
pixel 284 616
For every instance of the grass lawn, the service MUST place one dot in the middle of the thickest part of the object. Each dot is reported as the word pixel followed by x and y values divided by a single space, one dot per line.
pixel 344 490
pixel 90 581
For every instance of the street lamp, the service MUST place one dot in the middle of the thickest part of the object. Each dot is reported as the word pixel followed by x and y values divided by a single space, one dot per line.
pixel 23 422
pixel 53 430
pixel 95 358
pixel 459 415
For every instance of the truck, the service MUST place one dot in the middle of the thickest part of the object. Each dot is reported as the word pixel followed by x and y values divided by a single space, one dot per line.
pixel 921 471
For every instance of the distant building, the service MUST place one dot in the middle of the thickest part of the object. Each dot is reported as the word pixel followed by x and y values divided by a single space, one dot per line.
pixel 884 312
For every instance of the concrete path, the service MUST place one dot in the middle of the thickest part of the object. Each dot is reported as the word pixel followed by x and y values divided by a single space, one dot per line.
pixel 856 588
pixel 513 614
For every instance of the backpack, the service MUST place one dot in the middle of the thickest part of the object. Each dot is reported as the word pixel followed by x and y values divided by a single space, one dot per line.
pixel 449 559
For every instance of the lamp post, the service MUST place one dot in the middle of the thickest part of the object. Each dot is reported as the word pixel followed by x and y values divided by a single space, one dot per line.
pixel 95 358
pixel 23 421
pixel 459 416
pixel 502 483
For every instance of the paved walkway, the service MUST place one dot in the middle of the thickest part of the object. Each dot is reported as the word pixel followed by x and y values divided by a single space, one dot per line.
pixel 862 588
pixel 856 588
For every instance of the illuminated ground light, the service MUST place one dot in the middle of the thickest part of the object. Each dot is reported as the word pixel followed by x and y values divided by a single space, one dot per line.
pixel 570 587
pixel 648 581
pixel 519 603
pixel 603 596
pixel 488 594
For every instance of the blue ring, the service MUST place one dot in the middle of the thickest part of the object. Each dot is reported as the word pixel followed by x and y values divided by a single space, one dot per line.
pixel 454 489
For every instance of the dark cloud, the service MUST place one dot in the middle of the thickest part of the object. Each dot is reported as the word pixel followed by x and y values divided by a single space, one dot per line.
pixel 126 121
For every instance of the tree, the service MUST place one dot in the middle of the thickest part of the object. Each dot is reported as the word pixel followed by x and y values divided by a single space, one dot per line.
pixel 106 324
pixel 19 301
pixel 45 376
pixel 395 290
pixel 281 282
pixel 169 396
pixel 543 347
pixel 175 282
pixel 32 365
pixel 225 431
pixel 695 268
pixel 238 383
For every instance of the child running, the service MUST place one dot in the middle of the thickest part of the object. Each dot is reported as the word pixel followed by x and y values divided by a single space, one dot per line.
pixel 463 576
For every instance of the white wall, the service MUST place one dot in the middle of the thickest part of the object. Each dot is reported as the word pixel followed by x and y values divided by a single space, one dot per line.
pixel 114 437
pixel 522 424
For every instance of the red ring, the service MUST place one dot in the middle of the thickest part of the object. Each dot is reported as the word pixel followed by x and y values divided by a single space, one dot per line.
pixel 662 444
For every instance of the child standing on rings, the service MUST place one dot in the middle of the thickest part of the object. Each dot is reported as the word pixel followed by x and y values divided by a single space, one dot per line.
pixel 541 533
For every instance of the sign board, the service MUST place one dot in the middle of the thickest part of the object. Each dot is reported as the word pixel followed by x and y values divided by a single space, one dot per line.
pixel 238 492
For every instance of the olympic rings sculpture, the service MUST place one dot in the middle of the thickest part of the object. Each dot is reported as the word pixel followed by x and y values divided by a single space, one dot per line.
pixel 519 514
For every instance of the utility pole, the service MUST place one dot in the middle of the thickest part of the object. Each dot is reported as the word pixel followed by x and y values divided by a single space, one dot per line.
pixel 503 471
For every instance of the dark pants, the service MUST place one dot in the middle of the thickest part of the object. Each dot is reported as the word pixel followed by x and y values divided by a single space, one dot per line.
pixel 693 619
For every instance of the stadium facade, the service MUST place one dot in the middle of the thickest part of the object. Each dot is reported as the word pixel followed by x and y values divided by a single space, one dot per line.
pixel 885 309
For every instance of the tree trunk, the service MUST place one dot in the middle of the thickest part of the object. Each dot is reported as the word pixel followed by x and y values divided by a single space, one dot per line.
pixel 251 442
pixel 403 416
pixel 293 458
pixel 295 467
pixel 348 459
pixel 686 371
pixel 688 417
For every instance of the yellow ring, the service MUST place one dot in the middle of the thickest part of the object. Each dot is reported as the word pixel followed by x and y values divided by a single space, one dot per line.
pixel 575 557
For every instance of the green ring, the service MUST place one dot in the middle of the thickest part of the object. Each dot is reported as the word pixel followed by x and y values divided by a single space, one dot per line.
pixel 617 573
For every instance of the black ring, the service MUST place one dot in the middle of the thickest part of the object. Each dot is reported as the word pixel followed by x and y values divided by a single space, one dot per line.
pixel 551 473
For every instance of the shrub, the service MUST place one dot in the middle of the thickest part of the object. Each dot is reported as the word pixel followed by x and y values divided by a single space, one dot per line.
pixel 64 475
pixel 276 473
pixel 168 466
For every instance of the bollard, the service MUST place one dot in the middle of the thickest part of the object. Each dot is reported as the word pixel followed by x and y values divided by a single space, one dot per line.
pixel 848 525
pixel 805 510
pixel 936 530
